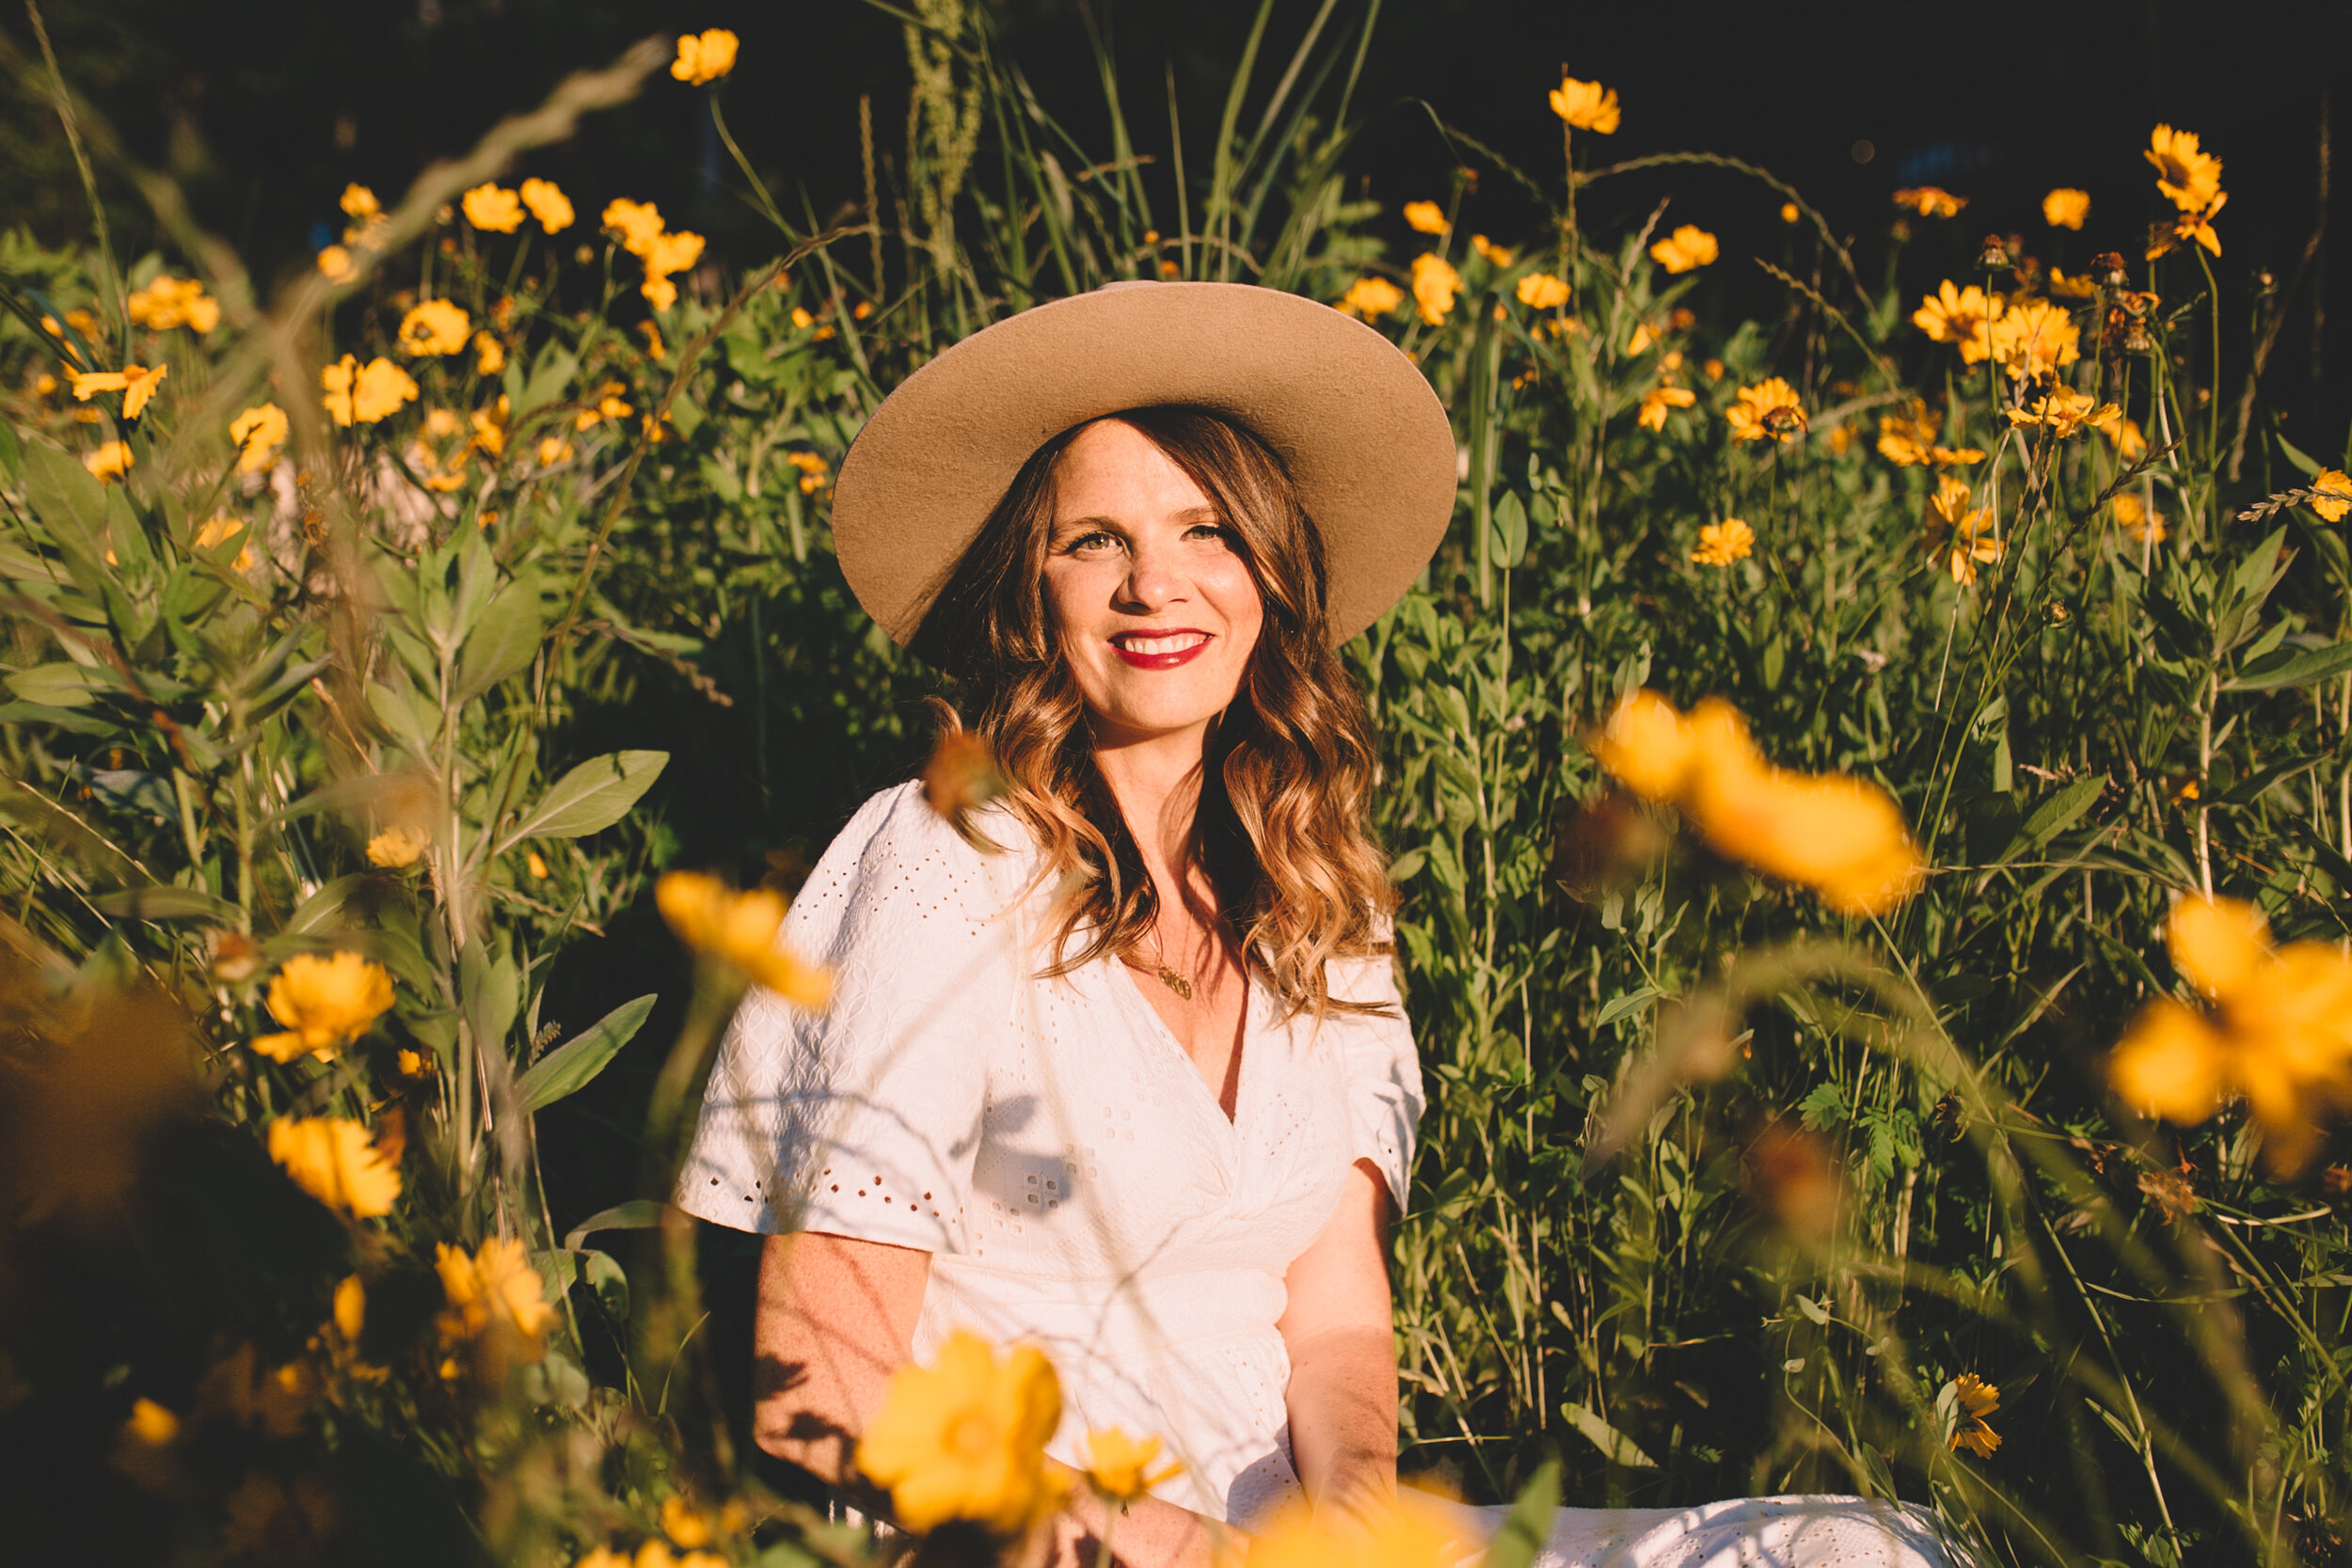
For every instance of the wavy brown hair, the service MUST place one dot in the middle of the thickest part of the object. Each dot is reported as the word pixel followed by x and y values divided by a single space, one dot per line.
pixel 1281 827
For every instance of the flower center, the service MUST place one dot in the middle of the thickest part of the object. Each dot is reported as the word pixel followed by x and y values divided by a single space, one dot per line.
pixel 971 1435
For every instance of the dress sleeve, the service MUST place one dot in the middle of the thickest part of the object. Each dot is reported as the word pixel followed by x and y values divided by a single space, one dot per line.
pixel 863 1119
pixel 1383 1070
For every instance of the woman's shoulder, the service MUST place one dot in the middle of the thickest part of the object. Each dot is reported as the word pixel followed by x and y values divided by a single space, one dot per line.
pixel 896 849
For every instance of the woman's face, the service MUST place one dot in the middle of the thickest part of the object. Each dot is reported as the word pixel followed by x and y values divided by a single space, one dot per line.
pixel 1156 610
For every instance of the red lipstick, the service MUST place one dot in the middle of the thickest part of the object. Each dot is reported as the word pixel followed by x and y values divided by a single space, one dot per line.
pixel 1160 648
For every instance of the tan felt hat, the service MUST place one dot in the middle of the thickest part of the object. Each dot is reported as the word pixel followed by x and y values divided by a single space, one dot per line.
pixel 1353 419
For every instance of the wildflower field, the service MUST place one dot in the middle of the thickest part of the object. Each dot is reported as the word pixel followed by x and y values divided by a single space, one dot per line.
pixel 1870 791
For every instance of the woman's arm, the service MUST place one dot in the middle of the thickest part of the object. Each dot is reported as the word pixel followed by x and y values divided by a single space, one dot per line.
pixel 1343 1349
pixel 836 1318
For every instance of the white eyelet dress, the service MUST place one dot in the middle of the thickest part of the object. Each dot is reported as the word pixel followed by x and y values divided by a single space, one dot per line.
pixel 1054 1148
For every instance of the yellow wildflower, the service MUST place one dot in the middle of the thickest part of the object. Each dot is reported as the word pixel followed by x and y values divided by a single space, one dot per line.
pixel 2278 1032
pixel 136 383
pixel 364 392
pixel 1961 316
pixel 1767 411
pixel 2189 176
pixel 489 354
pixel 535 864
pixel 1907 439
pixel 2134 517
pixel 1370 298
pixel 359 204
pixel 2034 339
pixel 2066 208
pixel 497 1306
pixel 815 470
pixel 1586 106
pixel 333 1158
pixel 1120 1466
pixel 2077 287
pixel 553 450
pixel 1711 367
pixel 2130 445
pixel 704 57
pixel 435 327
pixel 1969 533
pixel 151 1423
pixel 1425 217
pixel 664 254
pixel 2066 411
pixel 1977 1399
pixel 489 427
pixel 1721 543
pixel 110 462
pixel 493 208
pixel 1930 201
pixel 1393 1537
pixel 1541 291
pixel 258 432
pixel 1495 255
pixel 335 264
pixel 325 1004
pixel 964 1438
pixel 217 531
pixel 1687 247
pixel 2335 495
pixel 636 223
pixel 1788 212
pixel 1434 283
pixel 168 302
pixel 396 847
pixel 549 204
pixel 739 929
pixel 1658 400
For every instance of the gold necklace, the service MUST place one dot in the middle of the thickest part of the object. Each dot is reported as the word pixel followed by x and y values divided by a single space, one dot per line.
pixel 1169 977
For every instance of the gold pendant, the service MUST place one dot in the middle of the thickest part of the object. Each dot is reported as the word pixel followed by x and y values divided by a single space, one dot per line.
pixel 1175 982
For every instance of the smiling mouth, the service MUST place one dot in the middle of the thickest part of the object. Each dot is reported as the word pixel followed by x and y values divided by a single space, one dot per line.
pixel 1160 650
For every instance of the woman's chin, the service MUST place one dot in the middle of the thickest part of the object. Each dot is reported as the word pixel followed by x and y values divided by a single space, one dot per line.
pixel 1144 722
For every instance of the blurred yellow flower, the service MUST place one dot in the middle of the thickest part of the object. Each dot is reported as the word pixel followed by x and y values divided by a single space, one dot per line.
pixel 964 1438
pixel 366 393
pixel 535 864
pixel 2066 411
pixel 815 470
pixel 110 462
pixel 1721 543
pixel 1967 532
pixel 1435 282
pixel 396 847
pixel 2195 226
pixel 1960 316
pixel 1646 746
pixel 489 354
pixel 1585 105
pixel 1711 367
pixel 333 1158
pixel 493 208
pixel 151 1423
pixel 496 1304
pixel 1541 291
pixel 258 432
pixel 1370 298
pixel 2189 176
pixel 1494 254
pixel 1930 201
pixel 1767 411
pixel 435 327
pixel 2066 208
pixel 489 427
pixel 1687 247
pixel 2077 287
pixel 549 204
pixel 136 383
pixel 168 302
pixel 325 1003
pixel 1394 1537
pixel 359 204
pixel 704 57
pixel 2335 495
pixel 2130 445
pixel 1907 439
pixel 1977 1399
pixel 2133 517
pixel 2279 1033
pixel 1658 400
pixel 636 223
pixel 663 255
pixel 1120 1466
pixel 1788 212
pixel 217 531
pixel 2034 339
pixel 553 450
pixel 1425 217
pixel 739 929
pixel 335 264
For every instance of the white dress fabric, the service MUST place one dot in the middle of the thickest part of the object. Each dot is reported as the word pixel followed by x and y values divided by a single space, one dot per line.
pixel 1052 1146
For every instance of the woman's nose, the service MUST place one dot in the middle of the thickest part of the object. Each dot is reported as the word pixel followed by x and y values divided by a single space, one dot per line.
pixel 1151 583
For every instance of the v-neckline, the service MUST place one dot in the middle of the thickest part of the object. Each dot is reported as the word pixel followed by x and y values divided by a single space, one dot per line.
pixel 1242 1052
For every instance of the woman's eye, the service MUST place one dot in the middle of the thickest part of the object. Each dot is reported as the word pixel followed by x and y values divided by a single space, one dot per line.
pixel 1217 531
pixel 1090 543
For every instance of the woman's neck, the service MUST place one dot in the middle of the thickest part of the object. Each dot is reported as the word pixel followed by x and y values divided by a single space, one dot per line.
pixel 1157 782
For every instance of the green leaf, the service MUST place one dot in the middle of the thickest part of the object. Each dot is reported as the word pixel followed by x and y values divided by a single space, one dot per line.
pixel 1615 1445
pixel 638 1213
pixel 166 903
pixel 1630 1002
pixel 493 994
pixel 1813 1309
pixel 502 642
pixel 1510 529
pixel 324 905
pixel 1403 868
pixel 1824 1107
pixel 2294 454
pixel 590 796
pixel 64 684
pixel 2057 814
pixel 2288 667
pixel 1529 1525
pixel 571 1066
pixel 68 499
pixel 554 373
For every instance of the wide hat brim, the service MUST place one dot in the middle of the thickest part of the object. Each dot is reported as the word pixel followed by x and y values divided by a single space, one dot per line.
pixel 1360 429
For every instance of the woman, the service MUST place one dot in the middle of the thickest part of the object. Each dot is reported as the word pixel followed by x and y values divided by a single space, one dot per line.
pixel 1117 1067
